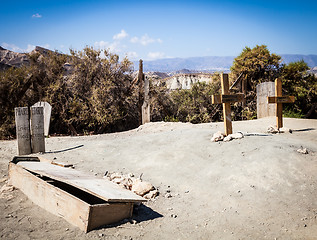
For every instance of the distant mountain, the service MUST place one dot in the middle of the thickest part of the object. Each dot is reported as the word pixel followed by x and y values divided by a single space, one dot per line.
pixel 210 64
pixel 169 65
pixel 11 59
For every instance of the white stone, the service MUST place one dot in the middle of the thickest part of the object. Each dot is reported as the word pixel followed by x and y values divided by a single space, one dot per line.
pixel 141 188
pixel 218 136
pixel 302 150
pixel 272 129
pixel 151 194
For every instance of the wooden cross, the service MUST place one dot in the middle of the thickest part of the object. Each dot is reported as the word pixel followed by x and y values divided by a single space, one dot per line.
pixel 225 98
pixel 278 99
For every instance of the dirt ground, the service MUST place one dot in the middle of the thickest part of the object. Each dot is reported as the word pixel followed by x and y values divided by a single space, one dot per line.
pixel 257 187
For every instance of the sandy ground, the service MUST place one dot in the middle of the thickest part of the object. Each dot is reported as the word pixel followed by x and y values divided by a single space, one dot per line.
pixel 258 187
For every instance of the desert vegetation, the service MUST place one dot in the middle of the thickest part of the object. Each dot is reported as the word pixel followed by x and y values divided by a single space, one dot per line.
pixel 92 91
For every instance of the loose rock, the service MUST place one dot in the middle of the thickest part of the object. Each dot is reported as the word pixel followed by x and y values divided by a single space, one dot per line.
pixel 218 136
pixel 141 188
pixel 302 150
pixel 151 194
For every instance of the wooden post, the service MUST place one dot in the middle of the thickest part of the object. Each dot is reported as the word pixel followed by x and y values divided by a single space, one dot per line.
pixel 226 106
pixel 146 104
pixel 37 129
pixel 140 83
pixel 244 91
pixel 226 99
pixel 279 106
pixel 23 130
pixel 278 99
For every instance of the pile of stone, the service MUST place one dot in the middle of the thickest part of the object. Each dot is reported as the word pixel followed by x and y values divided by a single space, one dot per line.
pixel 273 129
pixel 134 184
pixel 218 136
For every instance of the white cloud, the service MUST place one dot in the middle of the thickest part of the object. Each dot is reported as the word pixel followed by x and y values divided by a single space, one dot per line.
pixel 15 48
pixel 156 55
pixel 145 40
pixel 30 48
pixel 132 55
pixel 11 47
pixel 36 15
pixel 123 34
pixel 113 47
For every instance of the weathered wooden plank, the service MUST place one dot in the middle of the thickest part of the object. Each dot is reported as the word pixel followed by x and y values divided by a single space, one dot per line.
pixel 229 98
pixel 146 113
pixel 47 115
pixel 226 106
pixel 23 130
pixel 279 106
pixel 37 129
pixel 283 99
pixel 50 198
pixel 263 109
pixel 99 187
pixel 104 214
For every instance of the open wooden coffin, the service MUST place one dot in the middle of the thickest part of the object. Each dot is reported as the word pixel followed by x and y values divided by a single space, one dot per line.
pixel 83 200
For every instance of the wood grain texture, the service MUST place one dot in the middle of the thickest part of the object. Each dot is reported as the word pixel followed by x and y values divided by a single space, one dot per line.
pixel 99 187
pixel 104 214
pixel 226 106
pixel 50 198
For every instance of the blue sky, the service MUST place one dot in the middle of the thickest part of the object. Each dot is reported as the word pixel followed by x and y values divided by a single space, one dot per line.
pixel 161 29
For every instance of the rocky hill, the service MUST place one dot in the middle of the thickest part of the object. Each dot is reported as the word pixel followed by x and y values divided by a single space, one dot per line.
pixel 11 59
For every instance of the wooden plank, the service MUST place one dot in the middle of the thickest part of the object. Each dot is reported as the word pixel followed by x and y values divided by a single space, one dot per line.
pixel 37 129
pixel 226 106
pixel 216 99
pixel 229 98
pixel 99 187
pixel 50 198
pixel 104 214
pixel 66 165
pixel 232 98
pixel 263 108
pixel 283 99
pixel 23 130
pixel 279 106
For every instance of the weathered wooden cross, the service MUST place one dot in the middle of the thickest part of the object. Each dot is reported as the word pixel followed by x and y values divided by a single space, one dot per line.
pixel 278 99
pixel 226 99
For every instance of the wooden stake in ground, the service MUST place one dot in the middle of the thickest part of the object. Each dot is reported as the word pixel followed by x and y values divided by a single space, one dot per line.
pixel 140 85
pixel 146 104
pixel 278 99
pixel 23 130
pixel 226 99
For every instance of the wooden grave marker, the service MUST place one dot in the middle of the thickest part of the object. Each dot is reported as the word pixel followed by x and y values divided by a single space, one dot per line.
pixel 263 109
pixel 226 99
pixel 23 130
pixel 37 129
pixel 278 99
pixel 47 115
pixel 140 85
pixel 146 104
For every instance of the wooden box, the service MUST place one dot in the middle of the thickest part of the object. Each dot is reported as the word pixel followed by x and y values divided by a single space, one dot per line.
pixel 83 200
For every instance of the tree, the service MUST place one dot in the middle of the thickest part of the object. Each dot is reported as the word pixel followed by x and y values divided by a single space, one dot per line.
pixel 257 65
pixel 252 67
pixel 88 91
pixel 194 105
pixel 298 82
pixel 103 99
